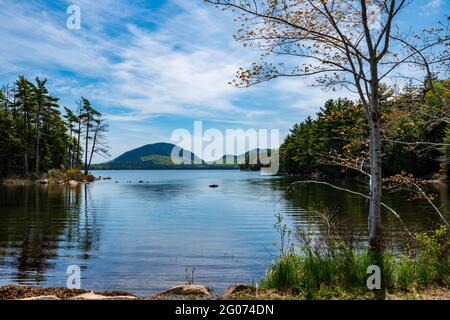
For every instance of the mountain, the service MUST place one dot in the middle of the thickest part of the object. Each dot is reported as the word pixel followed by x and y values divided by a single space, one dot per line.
pixel 155 156
pixel 250 160
pixel 159 156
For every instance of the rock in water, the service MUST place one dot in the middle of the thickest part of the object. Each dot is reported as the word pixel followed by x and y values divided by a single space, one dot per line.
pixel 213 185
pixel 72 183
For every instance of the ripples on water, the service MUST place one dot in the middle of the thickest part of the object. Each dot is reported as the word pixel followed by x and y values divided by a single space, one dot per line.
pixel 140 237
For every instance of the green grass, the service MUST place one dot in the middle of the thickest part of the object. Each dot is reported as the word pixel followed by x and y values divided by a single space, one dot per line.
pixel 327 267
pixel 310 274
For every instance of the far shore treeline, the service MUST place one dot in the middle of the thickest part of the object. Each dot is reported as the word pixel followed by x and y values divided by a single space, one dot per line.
pixel 36 137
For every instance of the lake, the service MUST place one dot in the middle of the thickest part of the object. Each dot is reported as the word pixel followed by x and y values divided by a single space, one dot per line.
pixel 142 237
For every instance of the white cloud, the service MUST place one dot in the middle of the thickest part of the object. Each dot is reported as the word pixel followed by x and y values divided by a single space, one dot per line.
pixel 179 67
pixel 434 4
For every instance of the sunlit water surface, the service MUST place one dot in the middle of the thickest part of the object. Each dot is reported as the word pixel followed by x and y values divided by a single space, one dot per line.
pixel 143 237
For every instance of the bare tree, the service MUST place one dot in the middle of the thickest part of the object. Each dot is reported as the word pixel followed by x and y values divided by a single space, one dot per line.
pixel 352 44
pixel 99 142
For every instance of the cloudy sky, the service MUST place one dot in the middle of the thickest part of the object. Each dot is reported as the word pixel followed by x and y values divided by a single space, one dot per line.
pixel 155 66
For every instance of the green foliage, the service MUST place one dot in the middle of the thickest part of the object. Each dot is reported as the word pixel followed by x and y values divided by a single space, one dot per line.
pixel 35 137
pixel 157 156
pixel 339 130
pixel 69 174
pixel 430 265
pixel 331 263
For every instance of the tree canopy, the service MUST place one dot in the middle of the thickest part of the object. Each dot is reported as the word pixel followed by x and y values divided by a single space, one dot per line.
pixel 35 137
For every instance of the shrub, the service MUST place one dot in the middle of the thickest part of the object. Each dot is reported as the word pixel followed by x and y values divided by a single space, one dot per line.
pixel 56 174
pixel 433 262
pixel 329 262
pixel 69 174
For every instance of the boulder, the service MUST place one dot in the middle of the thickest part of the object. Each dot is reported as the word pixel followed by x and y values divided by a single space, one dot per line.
pixel 94 296
pixel 213 185
pixel 73 183
pixel 49 297
pixel 185 290
pixel 43 181
pixel 238 288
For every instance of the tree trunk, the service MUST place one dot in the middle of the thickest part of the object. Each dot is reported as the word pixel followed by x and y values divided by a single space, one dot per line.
pixel 78 165
pixel 375 168
pixel 38 133
pixel 77 160
pixel 70 151
pixel 26 171
pixel 86 149
pixel 94 141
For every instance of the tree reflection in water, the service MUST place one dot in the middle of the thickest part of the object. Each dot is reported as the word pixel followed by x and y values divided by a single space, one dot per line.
pixel 40 222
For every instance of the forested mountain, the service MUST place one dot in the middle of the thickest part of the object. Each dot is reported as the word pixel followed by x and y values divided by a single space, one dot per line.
pixel 35 137
pixel 158 156
pixel 415 134
pixel 150 156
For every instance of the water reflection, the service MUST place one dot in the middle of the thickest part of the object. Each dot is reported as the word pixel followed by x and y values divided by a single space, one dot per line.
pixel 39 220
pixel 139 237
pixel 417 214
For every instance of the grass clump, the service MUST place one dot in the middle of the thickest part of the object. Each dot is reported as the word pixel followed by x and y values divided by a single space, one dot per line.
pixel 69 174
pixel 331 262
pixel 428 264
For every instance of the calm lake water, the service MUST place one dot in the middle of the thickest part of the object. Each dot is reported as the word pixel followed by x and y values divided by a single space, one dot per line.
pixel 141 237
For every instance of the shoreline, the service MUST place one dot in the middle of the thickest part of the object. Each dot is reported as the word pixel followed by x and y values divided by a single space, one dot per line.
pixel 29 181
pixel 201 292
pixel 59 177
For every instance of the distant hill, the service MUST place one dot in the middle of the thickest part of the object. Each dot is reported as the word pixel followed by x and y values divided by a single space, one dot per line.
pixel 252 160
pixel 155 156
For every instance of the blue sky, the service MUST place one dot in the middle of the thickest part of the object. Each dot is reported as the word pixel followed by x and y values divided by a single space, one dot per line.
pixel 155 66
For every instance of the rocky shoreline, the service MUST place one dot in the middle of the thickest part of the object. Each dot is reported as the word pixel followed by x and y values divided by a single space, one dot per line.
pixel 198 292
pixel 179 292
pixel 48 180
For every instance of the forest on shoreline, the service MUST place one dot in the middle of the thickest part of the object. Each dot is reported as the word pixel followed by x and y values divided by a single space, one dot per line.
pixel 35 137
pixel 415 134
